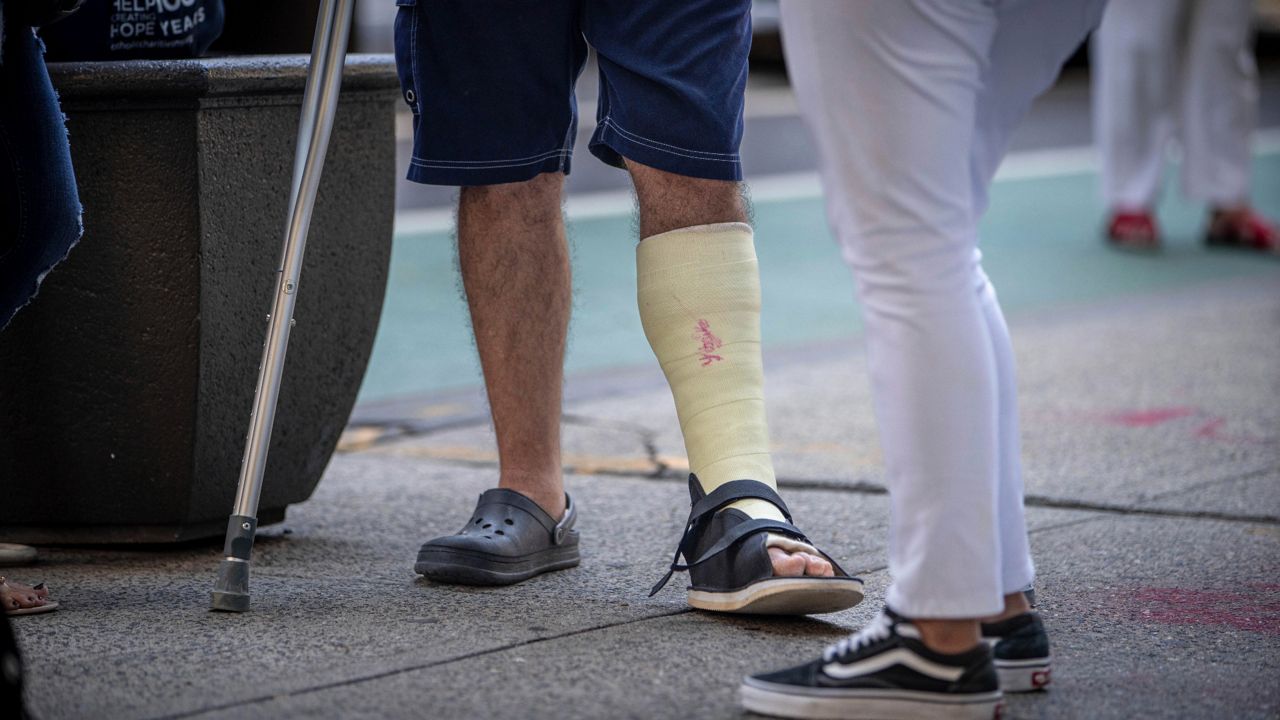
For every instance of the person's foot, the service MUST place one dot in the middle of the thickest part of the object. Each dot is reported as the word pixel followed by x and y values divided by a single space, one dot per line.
pixel 17 598
pixel 507 540
pixel 1021 649
pixel 757 565
pixel 883 671
pixel 1132 230
pixel 1242 228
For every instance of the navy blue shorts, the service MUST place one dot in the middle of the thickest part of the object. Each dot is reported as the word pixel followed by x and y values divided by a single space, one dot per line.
pixel 490 84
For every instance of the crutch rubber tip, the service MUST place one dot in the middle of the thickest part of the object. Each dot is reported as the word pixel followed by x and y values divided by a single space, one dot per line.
pixel 229 602
pixel 231 592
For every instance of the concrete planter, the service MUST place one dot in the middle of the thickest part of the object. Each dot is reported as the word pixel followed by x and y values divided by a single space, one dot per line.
pixel 126 387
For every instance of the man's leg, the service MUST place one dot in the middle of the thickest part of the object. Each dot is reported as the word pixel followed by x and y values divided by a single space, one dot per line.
pixel 515 270
pixel 720 398
pixel 670 111
pixel 490 86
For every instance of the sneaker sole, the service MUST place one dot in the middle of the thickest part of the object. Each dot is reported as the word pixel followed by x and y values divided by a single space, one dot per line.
pixel 1020 676
pixel 783 596
pixel 833 704
pixel 461 568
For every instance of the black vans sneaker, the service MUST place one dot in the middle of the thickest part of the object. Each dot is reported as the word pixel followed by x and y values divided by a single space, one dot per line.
pixel 882 672
pixel 1021 649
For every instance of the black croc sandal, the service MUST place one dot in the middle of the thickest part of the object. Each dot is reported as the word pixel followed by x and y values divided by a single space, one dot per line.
pixel 726 554
pixel 508 539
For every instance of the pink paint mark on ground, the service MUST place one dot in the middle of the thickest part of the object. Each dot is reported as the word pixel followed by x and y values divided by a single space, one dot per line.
pixel 1255 607
pixel 1213 429
pixel 1147 418
pixel 710 343
pixel 1210 427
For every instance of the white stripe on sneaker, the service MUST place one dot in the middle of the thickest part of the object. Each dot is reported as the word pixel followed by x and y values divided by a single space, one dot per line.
pixel 1026 662
pixel 897 656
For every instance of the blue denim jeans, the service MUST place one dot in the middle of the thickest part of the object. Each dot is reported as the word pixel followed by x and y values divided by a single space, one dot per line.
pixel 39 205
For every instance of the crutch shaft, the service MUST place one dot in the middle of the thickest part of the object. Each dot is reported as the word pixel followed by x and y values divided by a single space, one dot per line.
pixel 319 103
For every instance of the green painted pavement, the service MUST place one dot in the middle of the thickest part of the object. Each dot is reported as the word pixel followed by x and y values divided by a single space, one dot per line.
pixel 1040 240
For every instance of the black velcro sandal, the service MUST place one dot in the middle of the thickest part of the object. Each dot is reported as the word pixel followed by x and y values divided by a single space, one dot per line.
pixel 507 540
pixel 726 554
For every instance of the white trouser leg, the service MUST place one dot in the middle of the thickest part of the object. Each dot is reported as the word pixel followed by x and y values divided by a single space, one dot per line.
pixel 1017 571
pixel 891 90
pixel 888 89
pixel 1137 66
pixel 1219 102
pixel 1023 62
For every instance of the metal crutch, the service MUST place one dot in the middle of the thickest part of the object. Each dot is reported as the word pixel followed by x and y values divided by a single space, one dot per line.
pixel 319 100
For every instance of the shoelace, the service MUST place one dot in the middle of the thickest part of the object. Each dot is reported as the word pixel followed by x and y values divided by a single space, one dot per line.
pixel 875 631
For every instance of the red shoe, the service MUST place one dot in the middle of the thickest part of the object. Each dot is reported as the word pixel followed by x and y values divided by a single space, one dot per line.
pixel 1247 231
pixel 1133 230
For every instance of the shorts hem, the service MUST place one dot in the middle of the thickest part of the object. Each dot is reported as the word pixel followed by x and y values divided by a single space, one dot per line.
pixel 611 144
pixel 450 172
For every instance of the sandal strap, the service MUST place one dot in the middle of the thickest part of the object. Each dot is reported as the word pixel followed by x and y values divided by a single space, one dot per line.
pixel 742 530
pixel 733 491
pixel 563 527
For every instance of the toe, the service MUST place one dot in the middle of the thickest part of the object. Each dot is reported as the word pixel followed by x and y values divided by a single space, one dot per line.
pixel 786 564
pixel 817 566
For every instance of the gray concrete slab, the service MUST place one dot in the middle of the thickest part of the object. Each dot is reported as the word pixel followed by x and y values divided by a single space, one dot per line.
pixel 335 599
pixel 1144 623
pixel 1158 617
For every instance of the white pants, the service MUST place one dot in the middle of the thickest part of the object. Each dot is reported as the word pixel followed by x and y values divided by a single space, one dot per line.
pixel 912 103
pixel 1166 69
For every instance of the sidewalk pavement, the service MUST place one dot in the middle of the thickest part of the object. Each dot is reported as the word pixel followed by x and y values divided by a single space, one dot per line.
pixel 1151 431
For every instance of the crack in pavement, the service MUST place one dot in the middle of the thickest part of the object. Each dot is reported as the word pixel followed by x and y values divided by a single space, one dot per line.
pixel 1048 501
pixel 648 438
pixel 1261 472
pixel 413 668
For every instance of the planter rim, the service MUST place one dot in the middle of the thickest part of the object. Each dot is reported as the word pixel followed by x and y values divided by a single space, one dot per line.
pixel 231 75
